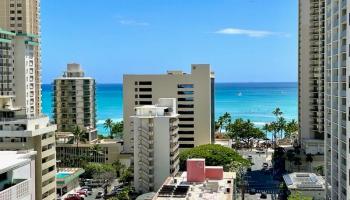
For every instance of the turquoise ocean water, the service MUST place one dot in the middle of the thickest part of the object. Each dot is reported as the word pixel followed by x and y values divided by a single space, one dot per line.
pixel 254 101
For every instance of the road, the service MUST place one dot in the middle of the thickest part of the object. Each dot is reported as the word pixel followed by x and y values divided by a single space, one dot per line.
pixel 258 179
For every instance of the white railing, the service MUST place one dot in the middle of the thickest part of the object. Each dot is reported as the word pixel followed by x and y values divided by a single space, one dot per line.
pixel 17 191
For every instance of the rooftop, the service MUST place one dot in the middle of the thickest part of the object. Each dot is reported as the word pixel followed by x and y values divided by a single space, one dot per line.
pixel 178 188
pixel 304 181
pixel 10 160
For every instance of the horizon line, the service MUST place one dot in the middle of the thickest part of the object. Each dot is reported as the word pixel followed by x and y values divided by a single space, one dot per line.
pixel 215 82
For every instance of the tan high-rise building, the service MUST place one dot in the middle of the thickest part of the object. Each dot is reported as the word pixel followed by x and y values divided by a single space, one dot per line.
pixel 195 102
pixel 156 146
pixel 22 126
pixel 74 101
pixel 311 74
pixel 23 18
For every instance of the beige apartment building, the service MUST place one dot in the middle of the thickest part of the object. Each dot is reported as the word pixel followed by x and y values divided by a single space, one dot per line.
pixel 311 75
pixel 74 101
pixel 195 102
pixel 22 126
pixel 155 144
pixel 19 132
pixel 23 18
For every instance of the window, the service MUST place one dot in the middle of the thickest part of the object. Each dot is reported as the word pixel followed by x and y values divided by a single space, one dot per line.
pixel 145 83
pixel 185 112
pixel 186 139
pixel 186 132
pixel 185 106
pixel 19 18
pixel 185 92
pixel 12 12
pixel 145 96
pixel 145 89
pixel 19 5
pixel 186 125
pixel 185 99
pixel 185 86
pixel 186 119
pixel 19 11
pixel 145 102
pixel 186 145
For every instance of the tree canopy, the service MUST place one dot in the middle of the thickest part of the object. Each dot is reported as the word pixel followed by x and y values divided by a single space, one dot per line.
pixel 244 131
pixel 214 155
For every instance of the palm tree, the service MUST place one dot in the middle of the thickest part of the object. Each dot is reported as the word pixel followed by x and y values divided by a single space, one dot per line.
pixel 235 129
pixel 277 112
pixel 78 135
pixel 117 129
pixel 309 159
pixel 226 120
pixel 220 123
pixel 274 128
pixel 95 150
pixel 108 126
pixel 281 125
pixel 291 128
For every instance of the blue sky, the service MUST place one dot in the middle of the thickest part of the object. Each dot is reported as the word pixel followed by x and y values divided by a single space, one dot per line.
pixel 243 40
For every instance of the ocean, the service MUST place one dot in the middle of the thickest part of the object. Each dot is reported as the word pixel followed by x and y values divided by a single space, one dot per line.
pixel 254 101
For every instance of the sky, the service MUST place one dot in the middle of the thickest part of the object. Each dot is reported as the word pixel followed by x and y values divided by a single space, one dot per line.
pixel 242 40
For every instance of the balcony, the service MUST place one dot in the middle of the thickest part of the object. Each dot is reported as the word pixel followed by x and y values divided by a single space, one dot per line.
pixel 18 190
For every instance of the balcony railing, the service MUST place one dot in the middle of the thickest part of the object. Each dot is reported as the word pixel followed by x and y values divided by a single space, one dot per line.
pixel 17 191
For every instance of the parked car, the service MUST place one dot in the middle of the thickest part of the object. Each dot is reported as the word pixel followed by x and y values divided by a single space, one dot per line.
pixel 252 191
pixel 263 195
pixel 265 165
pixel 88 192
pixel 74 196
pixel 82 192
pixel 99 195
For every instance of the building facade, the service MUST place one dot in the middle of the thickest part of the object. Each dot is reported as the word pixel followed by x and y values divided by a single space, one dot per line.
pixel 74 101
pixel 155 144
pixel 195 102
pixel 323 26
pixel 17 170
pixel 311 74
pixel 22 126
pixel 23 18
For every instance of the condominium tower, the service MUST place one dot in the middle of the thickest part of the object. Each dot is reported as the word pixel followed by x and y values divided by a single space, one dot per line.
pixel 195 102
pixel 156 147
pixel 328 21
pixel 74 101
pixel 22 126
pixel 23 18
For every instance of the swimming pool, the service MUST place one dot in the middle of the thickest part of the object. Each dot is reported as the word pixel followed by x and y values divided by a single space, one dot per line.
pixel 61 175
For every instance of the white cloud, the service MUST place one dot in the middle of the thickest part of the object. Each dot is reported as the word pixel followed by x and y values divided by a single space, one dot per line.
pixel 249 33
pixel 132 22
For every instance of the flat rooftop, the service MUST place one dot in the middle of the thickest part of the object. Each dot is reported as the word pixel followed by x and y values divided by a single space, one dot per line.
pixel 304 181
pixel 10 160
pixel 178 188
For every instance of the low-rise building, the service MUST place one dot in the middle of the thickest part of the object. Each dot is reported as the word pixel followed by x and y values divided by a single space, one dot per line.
pixel 198 182
pixel 17 175
pixel 67 179
pixel 307 184
pixel 155 144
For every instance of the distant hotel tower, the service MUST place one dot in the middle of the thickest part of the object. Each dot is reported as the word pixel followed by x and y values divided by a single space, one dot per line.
pixel 156 146
pixel 74 101
pixel 324 87
pixel 22 126
pixel 195 102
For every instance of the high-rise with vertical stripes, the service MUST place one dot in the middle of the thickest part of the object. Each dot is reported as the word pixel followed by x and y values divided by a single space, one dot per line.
pixel 324 92
pixel 194 93
pixel 22 126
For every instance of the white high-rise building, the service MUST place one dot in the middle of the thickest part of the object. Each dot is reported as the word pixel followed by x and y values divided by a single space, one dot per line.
pixel 323 57
pixel 156 147
pixel 194 93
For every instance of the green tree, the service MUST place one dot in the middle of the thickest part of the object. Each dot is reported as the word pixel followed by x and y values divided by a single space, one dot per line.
pixel 219 124
pixel 309 159
pixel 118 166
pixel 214 155
pixel 244 130
pixel 227 120
pixel 277 112
pixel 281 124
pixel 298 196
pixel 117 129
pixel 126 176
pixel 319 170
pixel 108 126
pixel 291 128
pixel 78 135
